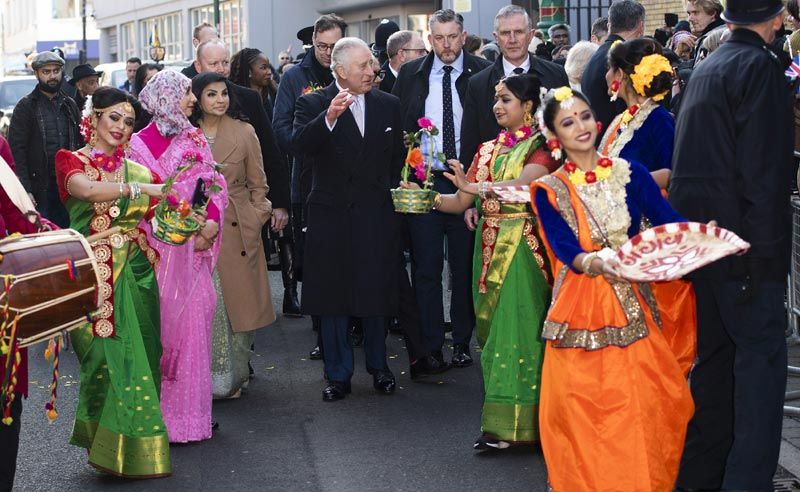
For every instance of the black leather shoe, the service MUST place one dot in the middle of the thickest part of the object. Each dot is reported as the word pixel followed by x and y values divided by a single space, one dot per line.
pixel 461 357
pixel 394 326
pixel 427 366
pixel 383 382
pixel 335 390
pixel 438 355
pixel 315 354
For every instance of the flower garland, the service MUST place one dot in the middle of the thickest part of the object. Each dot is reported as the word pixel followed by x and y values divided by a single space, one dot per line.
pixel 580 177
pixel 627 116
pixel 510 139
pixel 108 164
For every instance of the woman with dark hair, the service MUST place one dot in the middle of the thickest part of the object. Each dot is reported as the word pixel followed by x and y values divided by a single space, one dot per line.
pixel 118 418
pixel 511 276
pixel 251 68
pixel 241 274
pixel 144 73
pixel 188 298
pixel 615 402
pixel 639 74
pixel 645 132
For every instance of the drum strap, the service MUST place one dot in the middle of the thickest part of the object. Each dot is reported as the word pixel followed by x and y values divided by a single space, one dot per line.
pixel 16 192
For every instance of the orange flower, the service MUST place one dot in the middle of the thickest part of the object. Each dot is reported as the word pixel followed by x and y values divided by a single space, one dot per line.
pixel 415 158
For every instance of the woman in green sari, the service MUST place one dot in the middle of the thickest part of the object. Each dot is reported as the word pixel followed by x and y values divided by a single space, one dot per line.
pixel 511 290
pixel 118 419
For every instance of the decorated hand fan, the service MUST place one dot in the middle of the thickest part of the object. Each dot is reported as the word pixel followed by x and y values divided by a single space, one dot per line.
pixel 512 194
pixel 670 251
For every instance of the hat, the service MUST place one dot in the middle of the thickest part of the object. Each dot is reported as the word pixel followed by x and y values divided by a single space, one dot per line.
pixel 385 29
pixel 81 72
pixel 751 11
pixel 46 58
pixel 305 34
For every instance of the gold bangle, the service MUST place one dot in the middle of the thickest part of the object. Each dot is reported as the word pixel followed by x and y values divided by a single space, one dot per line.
pixel 437 201
pixel 586 264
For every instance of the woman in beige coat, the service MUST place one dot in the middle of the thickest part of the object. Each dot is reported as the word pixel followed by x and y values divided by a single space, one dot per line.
pixel 244 300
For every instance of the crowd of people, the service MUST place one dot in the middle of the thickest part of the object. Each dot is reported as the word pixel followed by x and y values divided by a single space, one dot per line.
pixel 614 134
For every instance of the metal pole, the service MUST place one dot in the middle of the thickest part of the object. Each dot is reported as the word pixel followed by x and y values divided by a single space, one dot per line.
pixel 84 50
pixel 216 15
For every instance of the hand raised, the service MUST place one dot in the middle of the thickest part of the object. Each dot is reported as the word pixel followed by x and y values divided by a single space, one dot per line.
pixel 457 177
pixel 339 105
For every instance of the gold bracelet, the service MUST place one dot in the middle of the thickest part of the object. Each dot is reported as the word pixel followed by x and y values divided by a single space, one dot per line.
pixel 586 264
pixel 437 201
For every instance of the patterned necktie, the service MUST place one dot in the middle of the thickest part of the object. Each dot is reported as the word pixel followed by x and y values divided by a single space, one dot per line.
pixel 518 70
pixel 448 128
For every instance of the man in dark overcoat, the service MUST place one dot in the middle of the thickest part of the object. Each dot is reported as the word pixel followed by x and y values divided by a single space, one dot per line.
pixel 354 135
pixel 733 164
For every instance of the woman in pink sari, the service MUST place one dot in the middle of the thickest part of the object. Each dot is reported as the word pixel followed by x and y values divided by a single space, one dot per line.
pixel 184 273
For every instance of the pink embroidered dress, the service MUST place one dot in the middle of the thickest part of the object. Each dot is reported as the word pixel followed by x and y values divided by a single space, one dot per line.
pixel 184 275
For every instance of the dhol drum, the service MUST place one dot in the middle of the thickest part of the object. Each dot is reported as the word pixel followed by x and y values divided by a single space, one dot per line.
pixel 48 281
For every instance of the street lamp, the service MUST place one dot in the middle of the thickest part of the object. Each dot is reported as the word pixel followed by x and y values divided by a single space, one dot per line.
pixel 157 52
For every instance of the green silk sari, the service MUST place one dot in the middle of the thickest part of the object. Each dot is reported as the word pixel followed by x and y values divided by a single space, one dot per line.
pixel 511 296
pixel 118 418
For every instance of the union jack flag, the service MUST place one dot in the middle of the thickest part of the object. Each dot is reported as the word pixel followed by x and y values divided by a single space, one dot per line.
pixel 794 69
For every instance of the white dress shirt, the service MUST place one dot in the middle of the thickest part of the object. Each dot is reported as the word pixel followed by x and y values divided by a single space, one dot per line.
pixel 358 112
pixel 508 67
pixel 434 109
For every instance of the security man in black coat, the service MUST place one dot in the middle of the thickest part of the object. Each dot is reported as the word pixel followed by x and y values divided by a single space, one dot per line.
pixel 435 86
pixel 625 22
pixel 513 32
pixel 733 164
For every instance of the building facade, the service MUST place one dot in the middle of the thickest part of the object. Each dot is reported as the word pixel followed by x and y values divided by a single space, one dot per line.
pixel 28 26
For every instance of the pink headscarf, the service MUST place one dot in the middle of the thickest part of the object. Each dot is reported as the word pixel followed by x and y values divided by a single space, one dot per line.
pixel 161 97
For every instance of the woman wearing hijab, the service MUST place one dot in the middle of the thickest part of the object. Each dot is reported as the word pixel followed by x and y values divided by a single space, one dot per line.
pixel 184 272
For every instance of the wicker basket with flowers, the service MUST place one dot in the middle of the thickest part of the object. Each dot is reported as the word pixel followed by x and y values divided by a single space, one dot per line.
pixel 418 201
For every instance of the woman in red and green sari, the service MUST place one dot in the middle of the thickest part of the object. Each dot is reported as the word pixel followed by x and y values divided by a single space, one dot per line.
pixel 511 290
pixel 118 419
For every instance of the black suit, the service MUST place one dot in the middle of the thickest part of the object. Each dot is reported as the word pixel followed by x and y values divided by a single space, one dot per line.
pixel 275 167
pixel 351 241
pixel 388 78
pixel 595 87
pixel 479 124
pixel 429 230
pixel 733 164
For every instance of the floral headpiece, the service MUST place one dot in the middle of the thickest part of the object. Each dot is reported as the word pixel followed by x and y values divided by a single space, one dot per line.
pixel 646 71
pixel 564 96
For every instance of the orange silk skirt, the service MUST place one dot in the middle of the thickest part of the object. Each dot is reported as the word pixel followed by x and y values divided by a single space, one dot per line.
pixel 613 419
pixel 678 310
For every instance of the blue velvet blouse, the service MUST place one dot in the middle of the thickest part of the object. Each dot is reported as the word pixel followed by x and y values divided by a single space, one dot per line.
pixel 643 199
pixel 652 143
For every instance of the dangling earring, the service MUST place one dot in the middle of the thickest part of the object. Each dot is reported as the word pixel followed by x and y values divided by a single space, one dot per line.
pixel 555 148
pixel 527 119
pixel 599 127
pixel 615 86
pixel 93 139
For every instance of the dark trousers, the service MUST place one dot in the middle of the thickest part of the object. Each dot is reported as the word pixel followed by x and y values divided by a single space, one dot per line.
pixel 738 385
pixel 9 444
pixel 409 316
pixel 338 352
pixel 52 208
pixel 428 232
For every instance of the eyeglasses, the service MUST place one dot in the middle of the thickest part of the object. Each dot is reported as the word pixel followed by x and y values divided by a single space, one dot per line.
pixel 379 75
pixel 324 47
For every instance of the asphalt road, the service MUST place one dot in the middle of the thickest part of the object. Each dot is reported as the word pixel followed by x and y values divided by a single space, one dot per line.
pixel 280 435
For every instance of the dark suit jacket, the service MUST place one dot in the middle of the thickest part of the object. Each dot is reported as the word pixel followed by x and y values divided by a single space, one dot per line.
pixel 388 78
pixel 251 106
pixel 412 88
pixel 351 248
pixel 733 155
pixel 479 124
pixel 595 87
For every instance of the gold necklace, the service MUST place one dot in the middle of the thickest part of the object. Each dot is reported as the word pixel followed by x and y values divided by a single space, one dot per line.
pixel 119 177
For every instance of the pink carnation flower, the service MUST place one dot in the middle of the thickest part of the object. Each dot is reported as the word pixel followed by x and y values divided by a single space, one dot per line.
pixel 425 123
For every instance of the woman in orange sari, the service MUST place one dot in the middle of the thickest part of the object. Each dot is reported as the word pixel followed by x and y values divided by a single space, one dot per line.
pixel 614 403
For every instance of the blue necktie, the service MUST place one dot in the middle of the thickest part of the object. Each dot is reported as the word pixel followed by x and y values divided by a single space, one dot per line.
pixel 448 129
